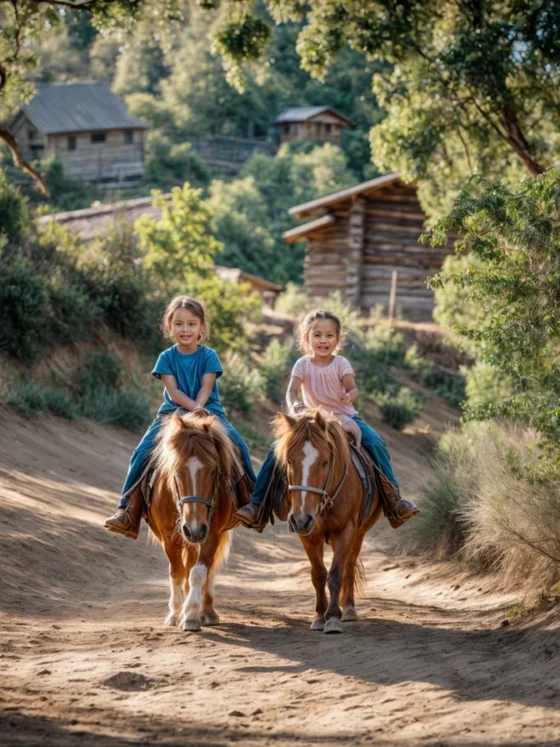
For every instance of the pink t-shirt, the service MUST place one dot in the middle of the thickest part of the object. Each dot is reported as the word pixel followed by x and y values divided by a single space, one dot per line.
pixel 322 385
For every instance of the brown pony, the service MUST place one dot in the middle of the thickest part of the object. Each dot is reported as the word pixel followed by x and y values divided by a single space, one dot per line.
pixel 323 504
pixel 191 511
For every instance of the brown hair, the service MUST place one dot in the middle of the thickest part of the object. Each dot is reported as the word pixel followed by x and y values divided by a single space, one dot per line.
pixel 183 302
pixel 307 322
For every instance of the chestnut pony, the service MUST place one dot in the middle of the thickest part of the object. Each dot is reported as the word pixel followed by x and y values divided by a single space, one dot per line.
pixel 191 511
pixel 323 503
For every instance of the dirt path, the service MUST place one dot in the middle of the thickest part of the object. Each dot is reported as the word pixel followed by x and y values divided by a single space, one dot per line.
pixel 85 659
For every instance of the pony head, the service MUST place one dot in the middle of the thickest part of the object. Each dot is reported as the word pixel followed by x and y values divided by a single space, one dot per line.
pixel 314 453
pixel 196 458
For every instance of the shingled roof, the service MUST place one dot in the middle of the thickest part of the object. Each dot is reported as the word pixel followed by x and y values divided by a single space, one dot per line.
pixel 304 113
pixel 78 107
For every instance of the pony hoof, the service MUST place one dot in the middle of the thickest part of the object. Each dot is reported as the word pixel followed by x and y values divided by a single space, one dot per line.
pixel 333 625
pixel 317 624
pixel 210 618
pixel 171 620
pixel 192 626
pixel 349 615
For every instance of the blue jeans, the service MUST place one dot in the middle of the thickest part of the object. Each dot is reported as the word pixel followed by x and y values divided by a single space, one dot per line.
pixel 141 454
pixel 370 439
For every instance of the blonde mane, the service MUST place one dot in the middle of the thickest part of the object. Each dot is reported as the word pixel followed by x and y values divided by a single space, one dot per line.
pixel 186 435
pixel 324 433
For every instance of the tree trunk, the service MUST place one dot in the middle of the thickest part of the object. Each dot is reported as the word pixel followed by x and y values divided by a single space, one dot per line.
pixel 517 140
pixel 19 161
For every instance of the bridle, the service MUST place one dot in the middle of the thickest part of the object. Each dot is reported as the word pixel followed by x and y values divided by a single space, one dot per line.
pixel 327 500
pixel 196 498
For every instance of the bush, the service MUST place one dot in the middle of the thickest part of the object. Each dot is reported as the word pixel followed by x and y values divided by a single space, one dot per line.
pixel 485 387
pixel 400 409
pixel 240 386
pixel 32 398
pixel 275 368
pixel 448 384
pixel 129 408
pixel 293 301
pixel 493 503
pixel 23 300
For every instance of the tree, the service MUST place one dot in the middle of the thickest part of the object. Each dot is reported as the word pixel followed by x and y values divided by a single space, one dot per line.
pixel 465 84
pixel 514 234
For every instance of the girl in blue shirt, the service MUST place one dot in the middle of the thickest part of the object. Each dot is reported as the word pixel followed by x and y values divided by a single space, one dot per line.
pixel 189 372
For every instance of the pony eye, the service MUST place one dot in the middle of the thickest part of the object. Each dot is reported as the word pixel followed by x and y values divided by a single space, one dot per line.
pixel 325 463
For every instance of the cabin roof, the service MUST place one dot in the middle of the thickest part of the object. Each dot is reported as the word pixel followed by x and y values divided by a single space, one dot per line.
pixel 305 113
pixel 237 275
pixel 299 232
pixel 78 107
pixel 318 206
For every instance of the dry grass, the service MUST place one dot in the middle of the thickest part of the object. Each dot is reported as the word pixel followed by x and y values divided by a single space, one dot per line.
pixel 491 504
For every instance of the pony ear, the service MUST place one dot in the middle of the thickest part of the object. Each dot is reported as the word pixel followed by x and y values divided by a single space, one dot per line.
pixel 208 423
pixel 320 420
pixel 287 420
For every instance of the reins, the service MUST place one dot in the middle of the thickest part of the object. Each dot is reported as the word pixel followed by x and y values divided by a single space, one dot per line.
pixel 327 500
pixel 196 498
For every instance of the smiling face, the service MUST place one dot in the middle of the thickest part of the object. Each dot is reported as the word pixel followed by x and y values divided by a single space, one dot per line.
pixel 186 329
pixel 323 339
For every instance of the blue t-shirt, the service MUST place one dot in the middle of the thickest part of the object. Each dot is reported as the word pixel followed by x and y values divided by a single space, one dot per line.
pixel 188 369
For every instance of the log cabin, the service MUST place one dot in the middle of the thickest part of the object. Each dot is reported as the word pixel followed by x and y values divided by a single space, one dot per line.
pixel 358 237
pixel 87 128
pixel 321 124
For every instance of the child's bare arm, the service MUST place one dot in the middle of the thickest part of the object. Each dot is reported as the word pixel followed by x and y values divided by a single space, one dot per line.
pixel 204 392
pixel 181 399
pixel 351 394
pixel 292 393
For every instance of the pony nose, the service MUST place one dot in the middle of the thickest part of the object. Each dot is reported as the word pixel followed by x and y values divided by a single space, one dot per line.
pixel 195 534
pixel 302 523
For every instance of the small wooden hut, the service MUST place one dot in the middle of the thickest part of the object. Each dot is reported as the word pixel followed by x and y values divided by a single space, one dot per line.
pixel 87 128
pixel 359 236
pixel 318 123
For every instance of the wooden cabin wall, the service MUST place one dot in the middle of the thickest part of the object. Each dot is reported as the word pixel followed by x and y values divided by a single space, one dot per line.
pixel 394 222
pixel 325 266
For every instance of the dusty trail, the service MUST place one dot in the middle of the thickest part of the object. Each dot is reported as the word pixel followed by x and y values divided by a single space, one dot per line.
pixel 85 658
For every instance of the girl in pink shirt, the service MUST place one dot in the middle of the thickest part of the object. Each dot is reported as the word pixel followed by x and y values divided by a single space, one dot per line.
pixel 326 381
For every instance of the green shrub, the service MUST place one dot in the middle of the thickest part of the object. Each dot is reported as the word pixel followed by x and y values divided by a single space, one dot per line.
pixel 448 384
pixel 23 300
pixel 240 386
pixel 485 387
pixel 129 408
pixel 293 301
pixel 400 409
pixel 275 368
pixel 32 398
pixel 101 369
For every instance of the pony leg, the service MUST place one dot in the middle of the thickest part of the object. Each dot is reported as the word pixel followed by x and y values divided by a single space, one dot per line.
pixel 349 582
pixel 319 577
pixel 342 546
pixel 197 578
pixel 209 615
pixel 177 578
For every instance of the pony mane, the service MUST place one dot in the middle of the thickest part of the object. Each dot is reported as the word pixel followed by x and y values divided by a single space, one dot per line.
pixel 186 435
pixel 324 433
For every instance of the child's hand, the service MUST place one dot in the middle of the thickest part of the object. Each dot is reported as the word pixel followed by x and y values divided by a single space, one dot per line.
pixel 346 399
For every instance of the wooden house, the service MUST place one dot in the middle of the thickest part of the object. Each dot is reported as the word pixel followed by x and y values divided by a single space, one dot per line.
pixel 356 239
pixel 318 123
pixel 87 128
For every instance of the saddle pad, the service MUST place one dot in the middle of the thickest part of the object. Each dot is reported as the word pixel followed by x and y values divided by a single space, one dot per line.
pixel 365 468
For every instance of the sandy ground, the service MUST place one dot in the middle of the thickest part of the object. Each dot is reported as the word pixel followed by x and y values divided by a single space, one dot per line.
pixel 85 659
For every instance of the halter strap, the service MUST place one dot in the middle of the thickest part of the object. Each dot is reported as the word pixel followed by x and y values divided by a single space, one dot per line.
pixel 210 504
pixel 327 500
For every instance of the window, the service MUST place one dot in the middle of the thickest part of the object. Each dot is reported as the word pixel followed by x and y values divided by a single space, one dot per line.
pixel 129 137
pixel 328 128
pixel 286 129
pixel 98 137
pixel 71 142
